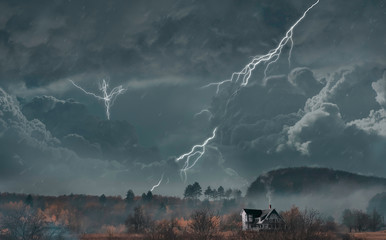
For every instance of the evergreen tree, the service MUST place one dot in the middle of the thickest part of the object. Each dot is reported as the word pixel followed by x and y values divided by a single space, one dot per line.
pixel 102 199
pixel 220 192
pixel 130 196
pixel 29 200
pixel 149 196
pixel 208 192
pixel 197 190
pixel 188 193
pixel 144 197
pixel 228 193
pixel 214 194
pixel 236 193
pixel 193 191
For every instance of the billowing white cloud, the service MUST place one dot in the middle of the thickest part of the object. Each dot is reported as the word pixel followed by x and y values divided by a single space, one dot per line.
pixel 380 88
pixel 375 123
pixel 323 123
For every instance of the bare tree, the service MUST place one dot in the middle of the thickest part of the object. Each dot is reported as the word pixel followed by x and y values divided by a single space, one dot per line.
pixel 375 221
pixel 361 220
pixel 304 225
pixel 204 224
pixel 21 222
pixel 164 230
pixel 139 221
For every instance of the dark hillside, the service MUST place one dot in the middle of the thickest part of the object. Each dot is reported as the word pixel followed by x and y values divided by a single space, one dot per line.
pixel 306 180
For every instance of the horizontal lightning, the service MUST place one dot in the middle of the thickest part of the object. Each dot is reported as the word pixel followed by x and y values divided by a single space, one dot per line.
pixel 107 98
pixel 204 111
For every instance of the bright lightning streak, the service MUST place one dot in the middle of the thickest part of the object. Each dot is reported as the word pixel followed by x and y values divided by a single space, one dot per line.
pixel 269 58
pixel 108 98
pixel 204 111
pixel 157 185
pixel 196 153
pixel 217 84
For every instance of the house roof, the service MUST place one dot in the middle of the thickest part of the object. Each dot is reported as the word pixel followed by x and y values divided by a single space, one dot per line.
pixel 257 212
pixel 262 214
pixel 266 212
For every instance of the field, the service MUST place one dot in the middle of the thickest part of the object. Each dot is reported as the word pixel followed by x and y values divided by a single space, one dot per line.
pixel 381 235
pixel 122 236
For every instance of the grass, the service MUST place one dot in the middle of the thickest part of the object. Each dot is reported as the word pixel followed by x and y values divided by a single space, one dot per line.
pixel 381 235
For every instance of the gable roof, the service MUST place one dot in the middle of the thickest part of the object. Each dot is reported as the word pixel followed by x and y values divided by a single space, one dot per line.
pixel 258 212
pixel 262 214
pixel 254 212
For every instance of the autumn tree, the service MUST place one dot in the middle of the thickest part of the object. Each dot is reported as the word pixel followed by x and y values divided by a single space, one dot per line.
pixel 204 224
pixel 24 223
pixel 303 225
pixel 139 221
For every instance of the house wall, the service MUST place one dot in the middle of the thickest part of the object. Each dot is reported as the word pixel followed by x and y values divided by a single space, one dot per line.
pixel 244 220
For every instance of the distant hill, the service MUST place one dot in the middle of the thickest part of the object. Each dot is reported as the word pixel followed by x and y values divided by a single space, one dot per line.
pixel 306 180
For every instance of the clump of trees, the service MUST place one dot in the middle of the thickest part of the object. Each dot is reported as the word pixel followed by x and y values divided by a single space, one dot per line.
pixel 360 221
pixel 220 193
pixel 20 221
pixel 194 191
pixel 204 225
pixel 139 221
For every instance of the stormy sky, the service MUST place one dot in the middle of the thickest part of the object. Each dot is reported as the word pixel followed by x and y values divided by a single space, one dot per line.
pixel 326 108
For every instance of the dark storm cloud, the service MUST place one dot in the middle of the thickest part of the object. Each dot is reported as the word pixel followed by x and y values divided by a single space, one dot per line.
pixel 326 108
pixel 50 40
pixel 86 134
pixel 32 160
pixel 342 126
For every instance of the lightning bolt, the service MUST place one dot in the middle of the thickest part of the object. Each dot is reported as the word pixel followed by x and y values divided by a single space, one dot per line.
pixel 244 75
pixel 196 153
pixel 268 59
pixel 157 185
pixel 204 111
pixel 108 98
pixel 218 84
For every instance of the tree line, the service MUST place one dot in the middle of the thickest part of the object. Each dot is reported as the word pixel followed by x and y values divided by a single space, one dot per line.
pixel 360 221
pixel 194 191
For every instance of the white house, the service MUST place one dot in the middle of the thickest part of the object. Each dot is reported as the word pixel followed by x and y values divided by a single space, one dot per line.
pixel 256 219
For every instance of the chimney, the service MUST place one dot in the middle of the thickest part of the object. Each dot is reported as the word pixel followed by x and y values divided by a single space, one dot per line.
pixel 270 206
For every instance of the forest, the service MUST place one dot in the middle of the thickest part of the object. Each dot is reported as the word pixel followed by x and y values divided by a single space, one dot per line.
pixel 213 213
